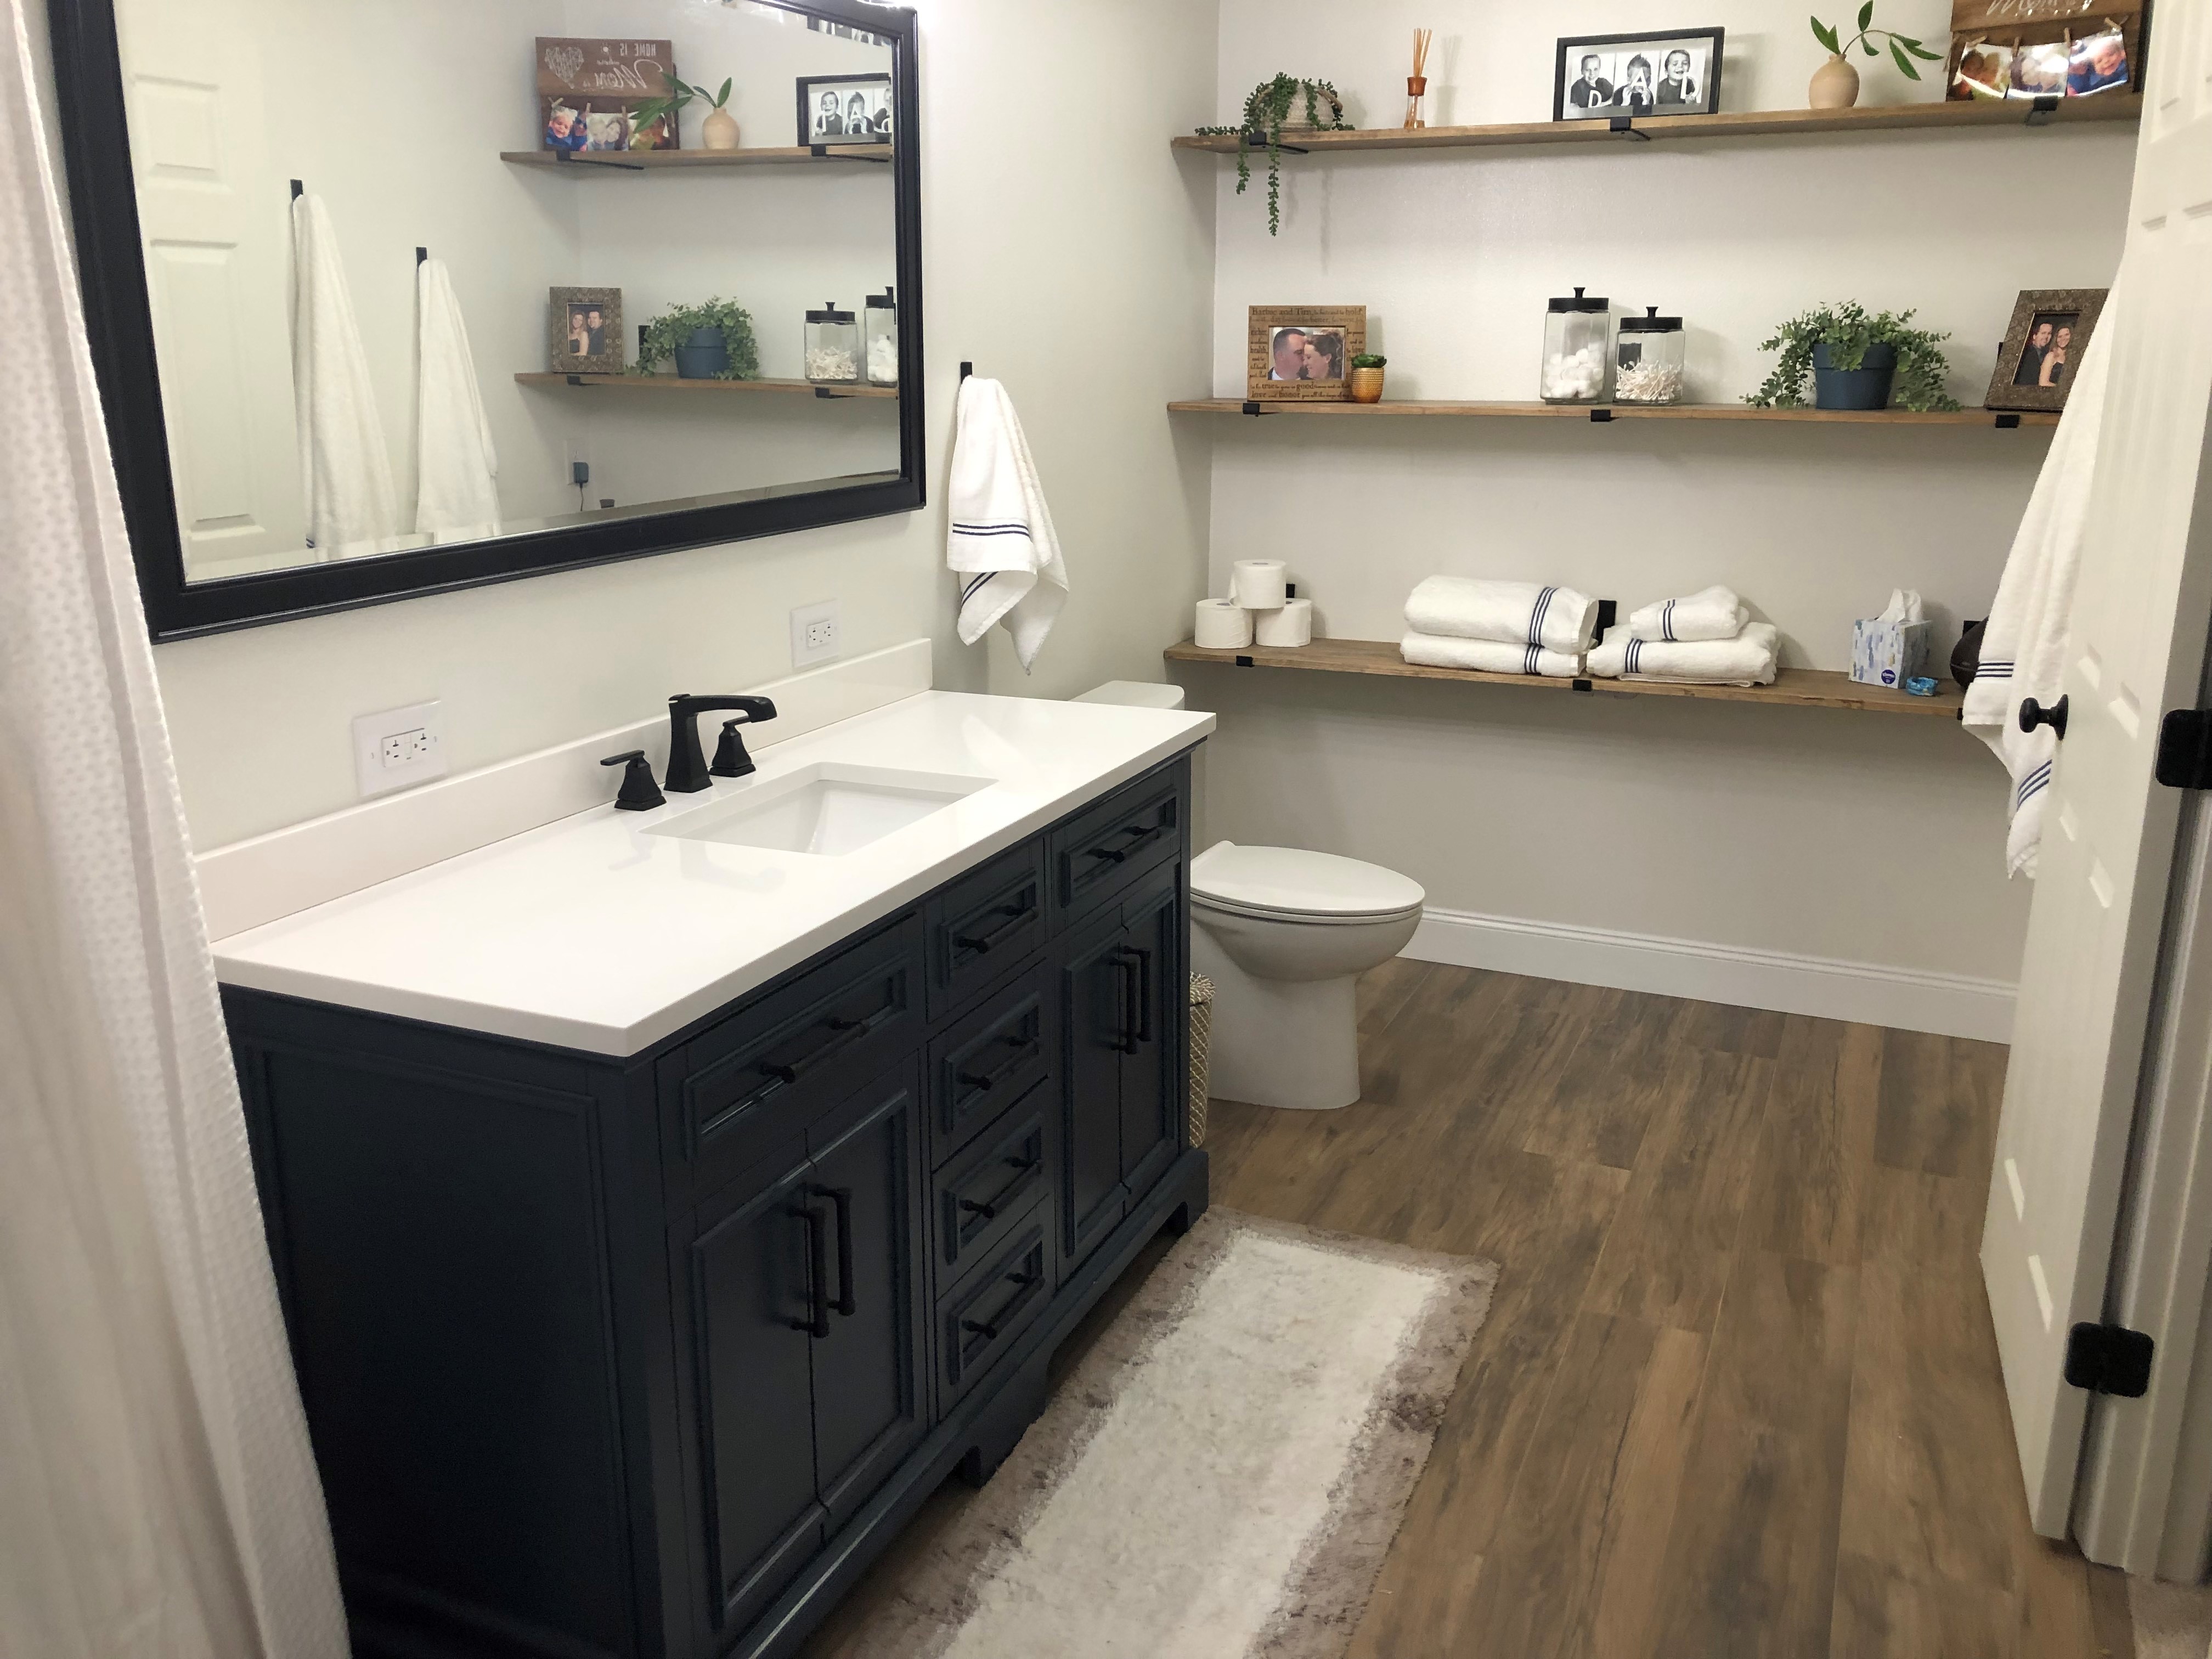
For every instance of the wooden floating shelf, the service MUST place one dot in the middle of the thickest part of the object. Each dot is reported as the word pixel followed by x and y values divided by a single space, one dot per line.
pixel 676 383
pixel 1603 413
pixel 579 162
pixel 1981 114
pixel 1795 688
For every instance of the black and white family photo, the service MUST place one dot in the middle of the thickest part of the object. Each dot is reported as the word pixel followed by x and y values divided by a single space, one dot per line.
pixel 1600 77
pixel 845 109
pixel 1306 354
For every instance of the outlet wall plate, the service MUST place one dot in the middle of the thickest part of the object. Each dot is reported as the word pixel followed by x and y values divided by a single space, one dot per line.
pixel 815 635
pixel 399 747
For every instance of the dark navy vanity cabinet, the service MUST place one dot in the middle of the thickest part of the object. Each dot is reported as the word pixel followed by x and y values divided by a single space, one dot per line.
pixel 651 1356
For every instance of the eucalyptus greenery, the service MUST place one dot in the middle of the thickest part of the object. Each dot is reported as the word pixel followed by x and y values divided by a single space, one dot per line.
pixel 676 326
pixel 1902 47
pixel 1264 112
pixel 1847 331
pixel 678 97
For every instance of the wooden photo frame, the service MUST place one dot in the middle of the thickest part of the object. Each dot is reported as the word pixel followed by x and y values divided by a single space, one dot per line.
pixel 2051 330
pixel 864 98
pixel 567 324
pixel 589 92
pixel 1330 337
pixel 1691 87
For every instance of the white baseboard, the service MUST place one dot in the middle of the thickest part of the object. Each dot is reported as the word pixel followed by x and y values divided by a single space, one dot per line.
pixel 1864 993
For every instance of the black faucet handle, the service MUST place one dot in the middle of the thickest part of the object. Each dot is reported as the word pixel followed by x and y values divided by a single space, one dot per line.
pixel 731 760
pixel 639 792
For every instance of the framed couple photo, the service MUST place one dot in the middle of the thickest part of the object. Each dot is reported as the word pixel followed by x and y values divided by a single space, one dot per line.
pixel 1301 354
pixel 2042 350
pixel 1668 72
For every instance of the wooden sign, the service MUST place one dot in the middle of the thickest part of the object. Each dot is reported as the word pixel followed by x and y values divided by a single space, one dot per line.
pixel 589 90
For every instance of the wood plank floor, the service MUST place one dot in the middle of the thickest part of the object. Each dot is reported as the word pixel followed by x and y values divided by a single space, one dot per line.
pixel 1738 1392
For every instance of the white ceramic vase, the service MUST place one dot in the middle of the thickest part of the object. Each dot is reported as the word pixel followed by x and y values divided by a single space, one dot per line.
pixel 1835 85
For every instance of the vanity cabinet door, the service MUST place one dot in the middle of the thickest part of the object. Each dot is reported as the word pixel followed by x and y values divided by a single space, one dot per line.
pixel 755 1273
pixel 869 1402
pixel 1151 951
pixel 1095 1022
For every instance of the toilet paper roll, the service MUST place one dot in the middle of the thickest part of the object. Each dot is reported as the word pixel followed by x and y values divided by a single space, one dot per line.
pixel 1257 584
pixel 1292 625
pixel 1223 625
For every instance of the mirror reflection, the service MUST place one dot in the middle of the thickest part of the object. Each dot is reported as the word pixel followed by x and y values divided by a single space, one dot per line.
pixel 424 274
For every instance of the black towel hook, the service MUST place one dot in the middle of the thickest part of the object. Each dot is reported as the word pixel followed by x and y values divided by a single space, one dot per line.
pixel 966 369
pixel 422 253
pixel 298 190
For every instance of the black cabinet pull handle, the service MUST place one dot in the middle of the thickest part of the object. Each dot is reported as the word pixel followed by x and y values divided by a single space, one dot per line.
pixel 1022 1165
pixel 988 1333
pixel 984 1082
pixel 818 1275
pixel 1124 1018
pixel 845 1033
pixel 1140 959
pixel 980 943
pixel 986 1210
pixel 2034 714
pixel 841 1198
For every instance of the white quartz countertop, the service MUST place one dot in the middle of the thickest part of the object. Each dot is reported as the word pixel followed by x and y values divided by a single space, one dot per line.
pixel 591 933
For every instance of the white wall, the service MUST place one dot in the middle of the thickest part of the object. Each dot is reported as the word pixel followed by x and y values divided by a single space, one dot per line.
pixel 1876 840
pixel 1020 239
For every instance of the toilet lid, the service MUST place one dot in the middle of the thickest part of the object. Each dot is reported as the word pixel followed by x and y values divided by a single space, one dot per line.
pixel 1290 881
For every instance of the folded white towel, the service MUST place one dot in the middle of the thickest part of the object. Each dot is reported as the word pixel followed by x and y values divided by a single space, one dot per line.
pixel 352 507
pixel 456 466
pixel 1002 539
pixel 1487 656
pixel 1517 613
pixel 1747 659
pixel 1714 614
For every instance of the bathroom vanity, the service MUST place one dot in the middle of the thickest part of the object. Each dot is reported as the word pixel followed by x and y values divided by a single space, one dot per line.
pixel 634 1315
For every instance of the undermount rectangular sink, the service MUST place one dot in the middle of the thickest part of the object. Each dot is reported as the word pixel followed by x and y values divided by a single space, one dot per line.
pixel 827 809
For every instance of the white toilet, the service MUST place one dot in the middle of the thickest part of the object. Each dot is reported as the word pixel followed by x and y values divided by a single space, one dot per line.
pixel 1284 934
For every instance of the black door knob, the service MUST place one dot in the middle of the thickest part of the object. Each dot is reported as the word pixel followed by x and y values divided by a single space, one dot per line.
pixel 2034 714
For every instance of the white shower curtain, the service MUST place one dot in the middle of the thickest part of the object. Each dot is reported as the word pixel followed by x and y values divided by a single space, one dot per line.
pixel 157 1495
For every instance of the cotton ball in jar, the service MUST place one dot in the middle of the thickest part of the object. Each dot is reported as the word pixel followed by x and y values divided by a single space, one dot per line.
pixel 1576 376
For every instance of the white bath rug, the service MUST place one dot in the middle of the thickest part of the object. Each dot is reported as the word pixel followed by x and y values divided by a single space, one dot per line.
pixel 1223 1472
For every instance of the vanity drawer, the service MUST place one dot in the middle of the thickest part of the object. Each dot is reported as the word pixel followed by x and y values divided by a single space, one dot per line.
pixel 984 1193
pixel 1097 854
pixel 738 1087
pixel 988 1059
pixel 983 924
pixel 988 1311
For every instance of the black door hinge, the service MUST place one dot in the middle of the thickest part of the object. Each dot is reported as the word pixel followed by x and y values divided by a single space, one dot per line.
pixel 2109 1359
pixel 2185 749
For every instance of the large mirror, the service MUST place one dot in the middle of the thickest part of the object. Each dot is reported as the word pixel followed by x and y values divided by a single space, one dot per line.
pixel 386 299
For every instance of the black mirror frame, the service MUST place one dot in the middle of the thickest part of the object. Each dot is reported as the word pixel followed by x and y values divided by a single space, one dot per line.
pixel 119 318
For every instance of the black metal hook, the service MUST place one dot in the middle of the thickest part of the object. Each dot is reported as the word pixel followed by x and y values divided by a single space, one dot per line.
pixel 420 254
pixel 298 190
pixel 966 369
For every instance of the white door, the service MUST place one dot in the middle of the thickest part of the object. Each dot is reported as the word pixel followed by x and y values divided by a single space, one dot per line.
pixel 2137 645
pixel 215 218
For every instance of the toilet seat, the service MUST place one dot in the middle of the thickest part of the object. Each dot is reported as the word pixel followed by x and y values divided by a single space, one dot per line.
pixel 1288 884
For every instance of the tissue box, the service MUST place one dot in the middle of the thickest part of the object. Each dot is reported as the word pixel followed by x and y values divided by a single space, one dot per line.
pixel 1887 653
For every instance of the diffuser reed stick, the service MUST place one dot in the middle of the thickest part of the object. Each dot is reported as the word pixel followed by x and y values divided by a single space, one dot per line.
pixel 1417 83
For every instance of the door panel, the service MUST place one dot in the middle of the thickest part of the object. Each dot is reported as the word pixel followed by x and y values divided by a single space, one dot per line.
pixel 1153 945
pixel 1095 1025
pixel 868 1370
pixel 751 1273
pixel 2135 650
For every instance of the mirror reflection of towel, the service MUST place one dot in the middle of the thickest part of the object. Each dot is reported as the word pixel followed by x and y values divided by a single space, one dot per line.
pixel 457 468
pixel 352 507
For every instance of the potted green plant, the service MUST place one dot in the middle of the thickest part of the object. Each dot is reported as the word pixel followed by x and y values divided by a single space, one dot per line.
pixel 1857 359
pixel 1836 82
pixel 1366 378
pixel 1267 117
pixel 720 129
pixel 710 341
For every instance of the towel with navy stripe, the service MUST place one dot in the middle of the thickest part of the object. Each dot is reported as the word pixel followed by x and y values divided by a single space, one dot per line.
pixel 1001 543
pixel 1552 625
pixel 1713 613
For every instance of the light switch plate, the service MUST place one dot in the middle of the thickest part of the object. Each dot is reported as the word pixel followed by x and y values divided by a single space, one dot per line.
pixel 400 747
pixel 815 635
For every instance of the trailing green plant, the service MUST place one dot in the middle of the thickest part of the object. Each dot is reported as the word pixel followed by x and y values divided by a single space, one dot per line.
pixel 676 326
pixel 1265 113
pixel 1902 47
pixel 678 97
pixel 1369 360
pixel 1848 330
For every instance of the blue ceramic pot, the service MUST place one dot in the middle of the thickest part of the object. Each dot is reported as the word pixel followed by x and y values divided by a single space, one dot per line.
pixel 1864 387
pixel 702 356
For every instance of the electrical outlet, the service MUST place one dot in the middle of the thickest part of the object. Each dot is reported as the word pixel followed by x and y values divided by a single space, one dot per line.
pixel 814 633
pixel 398 748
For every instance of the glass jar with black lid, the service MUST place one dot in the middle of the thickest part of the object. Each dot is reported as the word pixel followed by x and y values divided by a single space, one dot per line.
pixel 1648 360
pixel 1578 356
pixel 833 347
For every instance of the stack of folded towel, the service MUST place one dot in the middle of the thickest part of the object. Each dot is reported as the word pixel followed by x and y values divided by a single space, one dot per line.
pixel 1498 627
pixel 1706 639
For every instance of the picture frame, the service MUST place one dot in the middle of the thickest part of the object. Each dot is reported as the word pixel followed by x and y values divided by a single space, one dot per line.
pixel 2051 329
pixel 567 324
pixel 589 92
pixel 2038 49
pixel 1650 72
pixel 1329 337
pixel 863 98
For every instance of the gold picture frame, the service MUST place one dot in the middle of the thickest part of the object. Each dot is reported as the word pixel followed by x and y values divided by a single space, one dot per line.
pixel 1339 332
pixel 2051 330
pixel 567 324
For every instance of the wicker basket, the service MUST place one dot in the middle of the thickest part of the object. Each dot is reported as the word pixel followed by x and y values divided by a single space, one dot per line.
pixel 1201 1029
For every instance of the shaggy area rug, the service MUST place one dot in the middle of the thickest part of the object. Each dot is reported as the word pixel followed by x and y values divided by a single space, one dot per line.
pixel 1221 1474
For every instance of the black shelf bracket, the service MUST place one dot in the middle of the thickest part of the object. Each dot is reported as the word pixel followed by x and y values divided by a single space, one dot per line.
pixel 2007 422
pixel 2043 112
pixel 1259 141
pixel 1251 408
pixel 1246 662
pixel 1601 416
pixel 1581 685
pixel 578 379
pixel 1623 127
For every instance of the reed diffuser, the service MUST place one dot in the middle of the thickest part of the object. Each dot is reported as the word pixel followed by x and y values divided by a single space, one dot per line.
pixel 1417 83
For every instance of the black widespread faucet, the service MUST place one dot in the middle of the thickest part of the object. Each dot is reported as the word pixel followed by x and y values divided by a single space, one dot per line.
pixel 687 764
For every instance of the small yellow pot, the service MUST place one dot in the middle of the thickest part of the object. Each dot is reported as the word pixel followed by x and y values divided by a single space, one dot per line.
pixel 1366 385
pixel 1835 85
